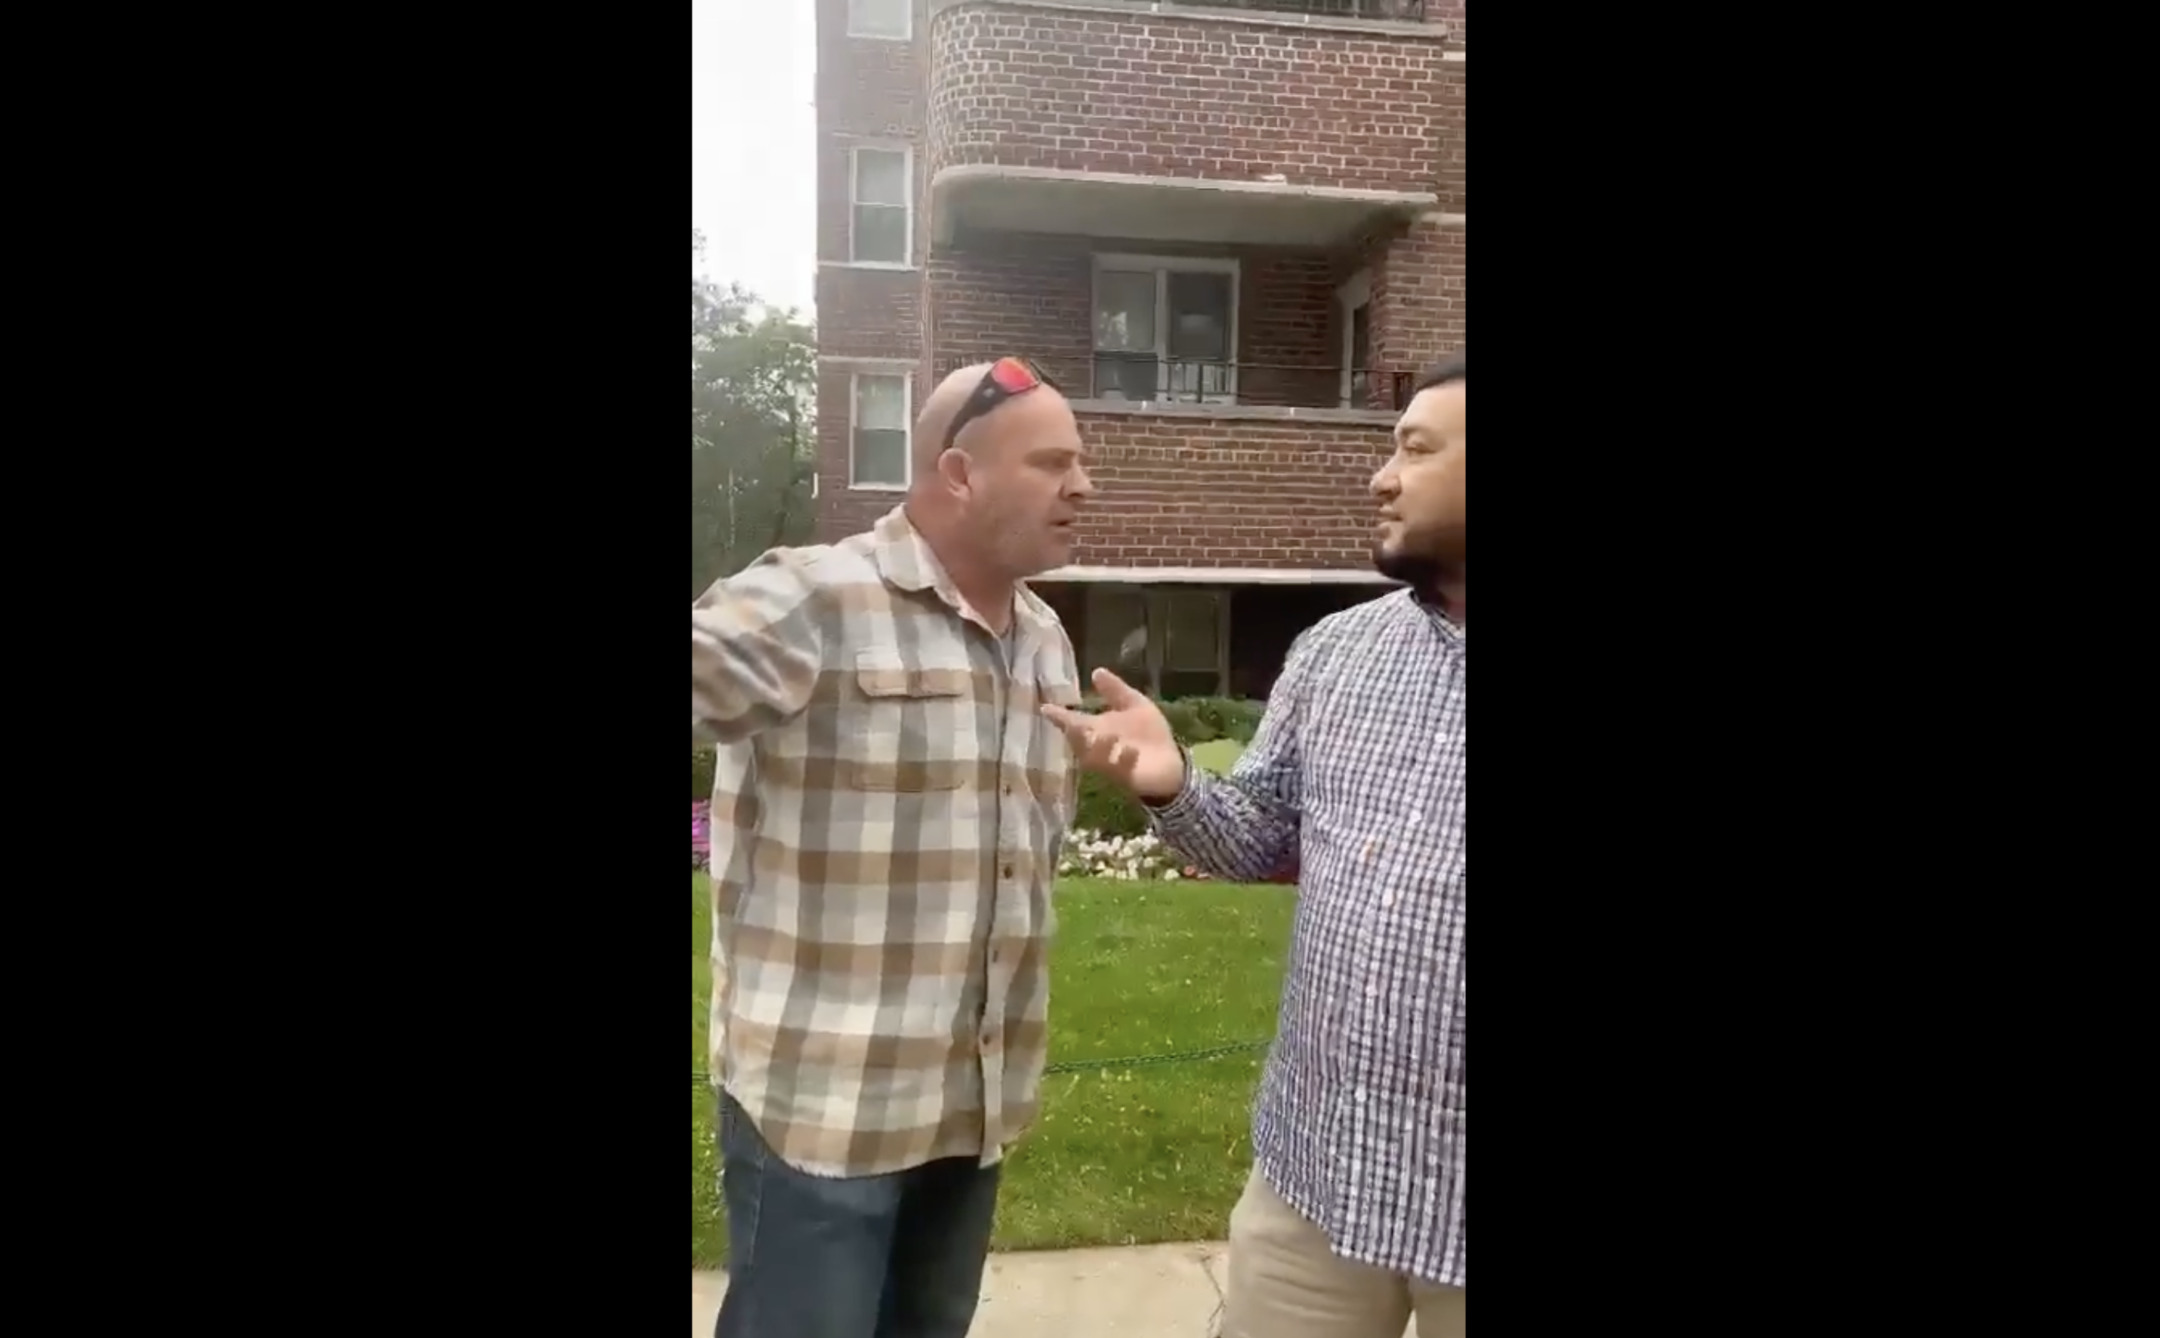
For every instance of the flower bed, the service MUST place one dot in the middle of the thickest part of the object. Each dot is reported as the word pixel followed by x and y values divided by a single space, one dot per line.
pixel 1087 854
pixel 1139 858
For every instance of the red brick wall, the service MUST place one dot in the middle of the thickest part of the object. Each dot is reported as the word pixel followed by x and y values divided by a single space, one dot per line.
pixel 868 91
pixel 1178 491
pixel 1184 97
pixel 991 83
pixel 1420 308
pixel 866 86
pixel 869 313
pixel 1455 14
pixel 1166 490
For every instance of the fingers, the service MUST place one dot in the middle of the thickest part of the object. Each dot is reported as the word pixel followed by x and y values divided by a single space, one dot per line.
pixel 1096 749
pixel 1115 692
pixel 1072 722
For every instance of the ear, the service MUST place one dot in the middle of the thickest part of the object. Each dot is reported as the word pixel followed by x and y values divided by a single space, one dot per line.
pixel 952 470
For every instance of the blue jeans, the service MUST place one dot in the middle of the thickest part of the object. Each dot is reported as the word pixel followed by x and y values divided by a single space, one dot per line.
pixel 882 1256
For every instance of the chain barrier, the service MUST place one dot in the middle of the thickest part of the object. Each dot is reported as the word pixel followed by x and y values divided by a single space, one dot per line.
pixel 1121 1062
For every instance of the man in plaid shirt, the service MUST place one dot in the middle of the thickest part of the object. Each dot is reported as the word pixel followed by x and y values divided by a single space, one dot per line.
pixel 1354 1217
pixel 887 814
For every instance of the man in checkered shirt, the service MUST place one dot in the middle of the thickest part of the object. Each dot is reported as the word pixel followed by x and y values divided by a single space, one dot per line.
pixel 887 814
pixel 1353 1218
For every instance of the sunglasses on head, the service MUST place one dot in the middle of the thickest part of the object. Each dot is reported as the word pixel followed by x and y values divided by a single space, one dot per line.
pixel 1007 378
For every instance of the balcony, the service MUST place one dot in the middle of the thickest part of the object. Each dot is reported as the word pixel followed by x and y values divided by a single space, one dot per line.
pixel 983 198
pixel 1188 124
pixel 1141 379
pixel 1402 11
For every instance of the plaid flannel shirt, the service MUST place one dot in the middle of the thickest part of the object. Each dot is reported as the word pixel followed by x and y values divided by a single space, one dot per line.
pixel 888 810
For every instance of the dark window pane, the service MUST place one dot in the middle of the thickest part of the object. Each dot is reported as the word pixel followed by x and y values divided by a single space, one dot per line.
pixel 1177 684
pixel 1117 633
pixel 1126 376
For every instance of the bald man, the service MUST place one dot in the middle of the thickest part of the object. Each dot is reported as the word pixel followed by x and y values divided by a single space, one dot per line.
pixel 887 814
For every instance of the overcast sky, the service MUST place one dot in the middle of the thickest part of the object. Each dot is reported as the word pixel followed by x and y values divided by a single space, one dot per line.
pixel 753 144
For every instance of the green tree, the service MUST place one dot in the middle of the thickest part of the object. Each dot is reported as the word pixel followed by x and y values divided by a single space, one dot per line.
pixel 753 375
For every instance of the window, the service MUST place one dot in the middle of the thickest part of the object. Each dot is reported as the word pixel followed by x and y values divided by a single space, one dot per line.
pixel 1166 329
pixel 1355 302
pixel 878 431
pixel 1169 643
pixel 881 18
pixel 881 223
pixel 1194 659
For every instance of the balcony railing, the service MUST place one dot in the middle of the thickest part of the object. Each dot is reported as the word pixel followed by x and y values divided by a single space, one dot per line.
pixel 1143 378
pixel 1411 11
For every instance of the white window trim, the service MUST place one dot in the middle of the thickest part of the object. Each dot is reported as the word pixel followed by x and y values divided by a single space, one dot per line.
pixel 1164 267
pixel 1356 292
pixel 907 422
pixel 907 25
pixel 907 174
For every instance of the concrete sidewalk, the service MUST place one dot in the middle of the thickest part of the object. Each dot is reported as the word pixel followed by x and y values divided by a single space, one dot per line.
pixel 1145 1291
pixel 1139 1291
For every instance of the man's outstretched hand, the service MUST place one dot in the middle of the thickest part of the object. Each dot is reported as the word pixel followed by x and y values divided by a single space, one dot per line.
pixel 1129 741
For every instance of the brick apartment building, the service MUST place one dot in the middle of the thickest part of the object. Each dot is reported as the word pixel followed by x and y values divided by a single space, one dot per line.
pixel 1230 229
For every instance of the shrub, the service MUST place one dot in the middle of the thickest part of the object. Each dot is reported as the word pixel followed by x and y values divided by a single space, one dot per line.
pixel 1205 719
pixel 701 772
pixel 1108 809
pixel 700 833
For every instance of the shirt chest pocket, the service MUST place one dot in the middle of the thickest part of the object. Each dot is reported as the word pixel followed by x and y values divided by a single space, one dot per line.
pixel 910 729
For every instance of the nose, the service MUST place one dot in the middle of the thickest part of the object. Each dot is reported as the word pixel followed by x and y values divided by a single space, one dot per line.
pixel 1081 487
pixel 1383 481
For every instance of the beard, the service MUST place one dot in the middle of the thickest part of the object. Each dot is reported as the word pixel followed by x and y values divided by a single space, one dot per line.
pixel 1419 571
pixel 1423 560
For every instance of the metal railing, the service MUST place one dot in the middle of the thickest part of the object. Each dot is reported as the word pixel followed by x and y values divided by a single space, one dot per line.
pixel 1412 11
pixel 1203 381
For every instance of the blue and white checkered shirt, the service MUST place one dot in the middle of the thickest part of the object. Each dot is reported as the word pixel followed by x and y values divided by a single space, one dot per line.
pixel 1358 771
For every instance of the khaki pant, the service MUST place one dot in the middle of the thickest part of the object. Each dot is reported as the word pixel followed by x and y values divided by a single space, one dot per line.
pixel 1286 1283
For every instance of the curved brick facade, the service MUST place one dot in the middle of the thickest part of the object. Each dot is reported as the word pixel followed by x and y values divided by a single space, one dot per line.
pixel 1080 90
pixel 1178 491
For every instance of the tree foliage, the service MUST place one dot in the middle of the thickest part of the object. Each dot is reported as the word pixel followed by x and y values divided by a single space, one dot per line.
pixel 753 430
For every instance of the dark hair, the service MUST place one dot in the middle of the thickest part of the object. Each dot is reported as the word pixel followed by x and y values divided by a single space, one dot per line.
pixel 1449 368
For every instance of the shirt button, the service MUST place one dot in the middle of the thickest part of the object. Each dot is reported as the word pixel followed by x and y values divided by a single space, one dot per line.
pixel 1387 898
pixel 1008 871
pixel 989 1038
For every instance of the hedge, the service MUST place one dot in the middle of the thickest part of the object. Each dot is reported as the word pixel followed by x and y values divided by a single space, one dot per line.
pixel 1103 806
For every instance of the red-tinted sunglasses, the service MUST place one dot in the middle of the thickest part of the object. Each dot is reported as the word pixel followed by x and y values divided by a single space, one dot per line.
pixel 1006 378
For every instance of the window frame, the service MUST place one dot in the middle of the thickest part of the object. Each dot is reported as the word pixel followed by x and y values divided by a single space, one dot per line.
pixel 906 205
pixel 1155 611
pixel 1355 293
pixel 907 427
pixel 1163 267
pixel 907 24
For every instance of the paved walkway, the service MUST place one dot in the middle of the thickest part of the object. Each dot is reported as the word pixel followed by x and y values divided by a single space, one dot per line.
pixel 1146 1291
pixel 1141 1291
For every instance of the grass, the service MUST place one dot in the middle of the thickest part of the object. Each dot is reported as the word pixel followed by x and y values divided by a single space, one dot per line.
pixel 1218 755
pixel 1122 1155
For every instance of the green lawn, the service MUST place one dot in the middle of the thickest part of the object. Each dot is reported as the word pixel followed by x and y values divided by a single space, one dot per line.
pixel 1218 755
pixel 1121 1155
